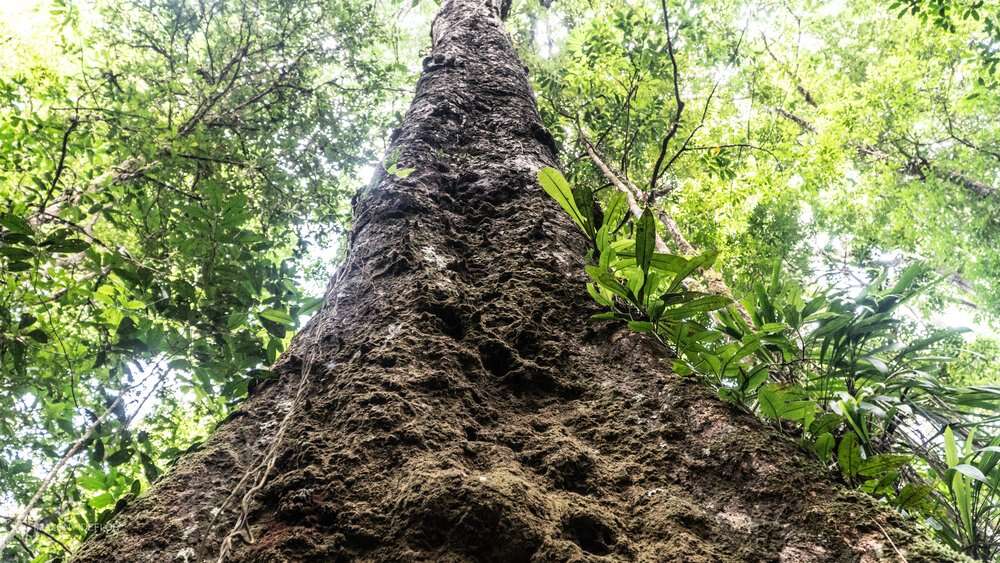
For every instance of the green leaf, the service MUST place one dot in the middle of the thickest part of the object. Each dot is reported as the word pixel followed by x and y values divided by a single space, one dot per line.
pixel 15 253
pixel 16 224
pixel 584 200
pixel 39 335
pixel 824 446
pixel 751 345
pixel 950 451
pixel 278 316
pixel 906 279
pixel 813 306
pixel 597 296
pixel 606 316
pixel 26 321
pixel 911 495
pixel 557 187
pixel 91 483
pixel 97 455
pixel 771 399
pixel 149 468
pixel 682 297
pixel 669 262
pixel 616 207
pixel 126 327
pixel 826 422
pixel 693 264
pixel 878 364
pixel 645 241
pixel 641 326
pixel 696 306
pixel 100 501
pixel 849 455
pixel 119 457
pixel 606 280
pixel 882 463
pixel 69 246
pixel 971 472
pixel 756 378
pixel 311 305
pixel 682 368
pixel 772 328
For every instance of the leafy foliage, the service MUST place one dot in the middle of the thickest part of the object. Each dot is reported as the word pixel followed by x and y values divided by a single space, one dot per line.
pixel 165 168
pixel 835 369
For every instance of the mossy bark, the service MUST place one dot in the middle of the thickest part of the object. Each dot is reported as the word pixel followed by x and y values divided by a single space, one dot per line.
pixel 459 407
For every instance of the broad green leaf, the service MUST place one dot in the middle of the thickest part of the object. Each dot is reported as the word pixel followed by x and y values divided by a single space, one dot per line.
pixel 606 316
pixel 641 326
pixel 645 241
pixel 558 188
pixel 849 455
pixel 824 446
pixel 15 253
pixel 597 296
pixel 311 305
pixel 100 501
pixel 682 368
pixel 119 457
pixel 950 450
pixel 69 246
pixel 883 463
pixel 971 472
pixel 771 400
pixel 606 280
pixel 758 376
pixel 702 261
pixel 278 316
pixel 616 208
pixel 18 267
pixel 584 200
pixel 911 495
pixel 91 483
pixel 15 224
pixel 695 307
pixel 39 335
pixel 669 262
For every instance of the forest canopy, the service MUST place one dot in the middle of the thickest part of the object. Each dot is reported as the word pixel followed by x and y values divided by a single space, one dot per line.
pixel 815 185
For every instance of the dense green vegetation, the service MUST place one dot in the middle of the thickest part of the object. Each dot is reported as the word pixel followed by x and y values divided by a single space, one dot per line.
pixel 815 208
pixel 863 389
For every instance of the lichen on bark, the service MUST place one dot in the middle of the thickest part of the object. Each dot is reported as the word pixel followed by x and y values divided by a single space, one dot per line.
pixel 460 408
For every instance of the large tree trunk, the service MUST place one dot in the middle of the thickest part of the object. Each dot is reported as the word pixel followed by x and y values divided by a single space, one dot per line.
pixel 451 402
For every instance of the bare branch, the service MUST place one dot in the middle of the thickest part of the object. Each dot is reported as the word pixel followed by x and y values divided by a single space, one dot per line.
pixel 73 122
pixel 805 125
pixel 678 108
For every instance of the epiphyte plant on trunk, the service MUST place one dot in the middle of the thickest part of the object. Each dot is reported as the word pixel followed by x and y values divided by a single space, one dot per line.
pixel 830 368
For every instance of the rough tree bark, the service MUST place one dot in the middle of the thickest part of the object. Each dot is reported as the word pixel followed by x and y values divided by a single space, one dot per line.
pixel 455 405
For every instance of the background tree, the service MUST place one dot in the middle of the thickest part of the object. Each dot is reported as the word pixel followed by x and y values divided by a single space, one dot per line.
pixel 166 168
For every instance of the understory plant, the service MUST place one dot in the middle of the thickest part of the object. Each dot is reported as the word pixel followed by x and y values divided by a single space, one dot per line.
pixel 860 387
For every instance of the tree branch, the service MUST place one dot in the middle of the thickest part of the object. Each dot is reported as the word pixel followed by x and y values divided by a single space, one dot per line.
pixel 678 108
pixel 73 122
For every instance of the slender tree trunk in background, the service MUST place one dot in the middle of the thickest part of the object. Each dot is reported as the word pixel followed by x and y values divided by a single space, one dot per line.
pixel 452 403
